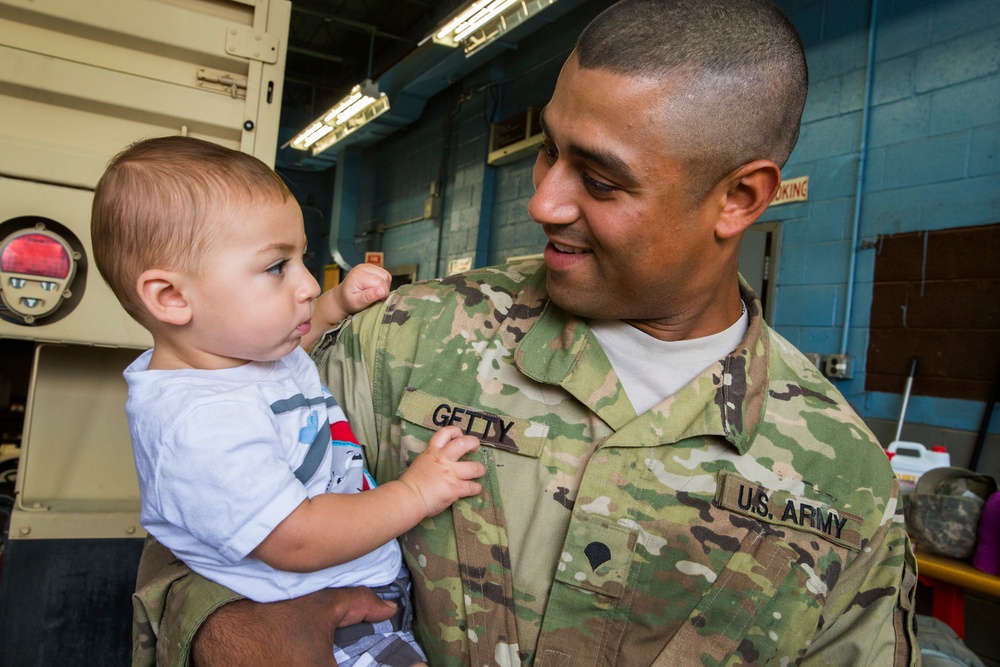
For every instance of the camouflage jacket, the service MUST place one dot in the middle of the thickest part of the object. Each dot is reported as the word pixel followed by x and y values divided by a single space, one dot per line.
pixel 751 518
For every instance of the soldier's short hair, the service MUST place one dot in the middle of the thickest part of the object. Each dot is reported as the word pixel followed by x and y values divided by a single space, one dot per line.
pixel 737 72
pixel 155 204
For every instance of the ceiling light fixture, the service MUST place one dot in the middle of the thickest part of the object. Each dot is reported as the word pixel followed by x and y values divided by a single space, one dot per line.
pixel 485 20
pixel 363 104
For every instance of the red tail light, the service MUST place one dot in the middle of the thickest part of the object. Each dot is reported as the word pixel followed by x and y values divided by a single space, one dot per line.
pixel 35 255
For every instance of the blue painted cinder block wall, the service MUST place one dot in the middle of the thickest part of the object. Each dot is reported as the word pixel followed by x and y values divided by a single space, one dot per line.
pixel 931 164
pixel 934 134
pixel 483 208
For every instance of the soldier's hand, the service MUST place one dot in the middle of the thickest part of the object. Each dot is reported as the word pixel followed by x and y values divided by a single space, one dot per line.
pixel 291 633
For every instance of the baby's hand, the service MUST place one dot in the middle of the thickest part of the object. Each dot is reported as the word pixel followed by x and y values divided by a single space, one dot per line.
pixel 438 477
pixel 364 285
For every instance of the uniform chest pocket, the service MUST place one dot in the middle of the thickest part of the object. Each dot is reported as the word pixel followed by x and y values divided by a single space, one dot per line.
pixel 430 413
pixel 767 599
pixel 597 556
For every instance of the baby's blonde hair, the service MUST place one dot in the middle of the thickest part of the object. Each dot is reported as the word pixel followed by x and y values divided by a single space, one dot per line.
pixel 156 202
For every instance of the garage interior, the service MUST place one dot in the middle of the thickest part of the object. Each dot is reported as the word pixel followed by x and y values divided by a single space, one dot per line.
pixel 881 261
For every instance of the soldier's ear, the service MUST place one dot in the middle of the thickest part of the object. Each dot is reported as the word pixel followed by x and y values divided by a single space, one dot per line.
pixel 749 190
pixel 162 294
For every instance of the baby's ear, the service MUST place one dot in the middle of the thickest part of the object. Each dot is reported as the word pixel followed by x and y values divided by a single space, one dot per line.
pixel 162 295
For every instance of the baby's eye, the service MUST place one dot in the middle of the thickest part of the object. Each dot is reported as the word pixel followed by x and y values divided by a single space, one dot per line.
pixel 277 268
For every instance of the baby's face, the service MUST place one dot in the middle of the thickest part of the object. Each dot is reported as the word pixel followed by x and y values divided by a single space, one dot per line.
pixel 253 298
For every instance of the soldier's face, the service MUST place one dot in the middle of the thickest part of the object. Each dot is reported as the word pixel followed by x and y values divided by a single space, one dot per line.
pixel 626 240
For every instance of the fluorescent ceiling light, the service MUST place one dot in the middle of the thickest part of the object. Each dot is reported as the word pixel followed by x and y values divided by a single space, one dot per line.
pixel 484 21
pixel 363 104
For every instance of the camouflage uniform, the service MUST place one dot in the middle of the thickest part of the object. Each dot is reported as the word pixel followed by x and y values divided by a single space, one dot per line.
pixel 751 518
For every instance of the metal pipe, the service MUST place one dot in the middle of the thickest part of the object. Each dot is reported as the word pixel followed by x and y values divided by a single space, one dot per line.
pixel 384 228
pixel 371 53
pixel 906 398
pixel 314 54
pixel 984 425
pixel 355 25
pixel 859 188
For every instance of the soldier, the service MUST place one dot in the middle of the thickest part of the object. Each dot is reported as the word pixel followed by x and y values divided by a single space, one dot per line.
pixel 669 481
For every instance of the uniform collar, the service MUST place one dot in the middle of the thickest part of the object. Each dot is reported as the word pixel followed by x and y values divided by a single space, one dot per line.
pixel 726 400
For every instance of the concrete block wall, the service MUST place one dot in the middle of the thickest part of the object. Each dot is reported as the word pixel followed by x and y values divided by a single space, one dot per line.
pixel 931 164
pixel 396 182
pixel 471 203
pixel 464 195
pixel 934 131
pixel 530 76
pixel 514 234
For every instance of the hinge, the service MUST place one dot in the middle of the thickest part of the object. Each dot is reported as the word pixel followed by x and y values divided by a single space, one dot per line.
pixel 227 82
pixel 246 42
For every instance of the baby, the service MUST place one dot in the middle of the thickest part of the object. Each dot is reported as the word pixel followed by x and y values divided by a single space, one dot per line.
pixel 248 469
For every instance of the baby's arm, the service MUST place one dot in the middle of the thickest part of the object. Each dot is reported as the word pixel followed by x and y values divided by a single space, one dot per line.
pixel 364 285
pixel 332 528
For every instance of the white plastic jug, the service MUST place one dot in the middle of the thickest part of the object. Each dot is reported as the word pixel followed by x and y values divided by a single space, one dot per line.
pixel 911 459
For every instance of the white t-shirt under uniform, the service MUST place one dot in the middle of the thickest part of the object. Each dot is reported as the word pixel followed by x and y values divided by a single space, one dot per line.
pixel 216 452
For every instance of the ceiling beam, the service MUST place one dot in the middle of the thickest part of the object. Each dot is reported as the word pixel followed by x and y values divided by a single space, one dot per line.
pixel 356 25
pixel 312 53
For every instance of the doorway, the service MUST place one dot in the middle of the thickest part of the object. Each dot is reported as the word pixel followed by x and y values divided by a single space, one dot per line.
pixel 759 252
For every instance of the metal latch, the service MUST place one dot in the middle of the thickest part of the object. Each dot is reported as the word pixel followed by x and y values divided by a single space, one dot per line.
pixel 246 42
pixel 234 84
